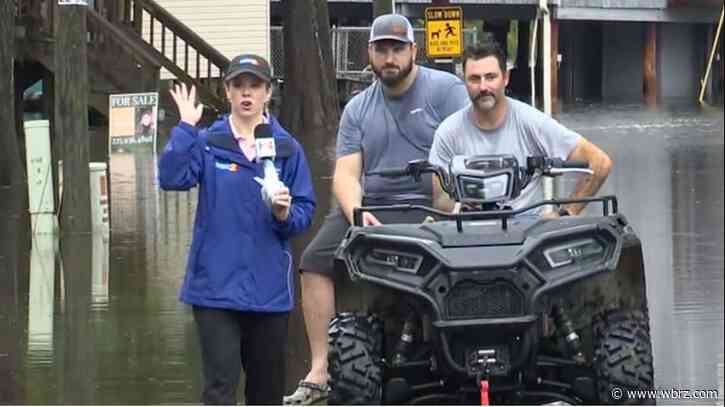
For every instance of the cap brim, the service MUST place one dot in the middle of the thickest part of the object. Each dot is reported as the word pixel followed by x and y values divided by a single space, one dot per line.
pixel 390 37
pixel 238 72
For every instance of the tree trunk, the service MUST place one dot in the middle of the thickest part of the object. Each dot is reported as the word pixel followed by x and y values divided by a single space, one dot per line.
pixel 381 7
pixel 71 116
pixel 309 101
pixel 310 111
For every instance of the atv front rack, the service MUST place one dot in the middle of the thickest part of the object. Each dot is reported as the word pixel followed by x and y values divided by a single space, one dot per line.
pixel 609 206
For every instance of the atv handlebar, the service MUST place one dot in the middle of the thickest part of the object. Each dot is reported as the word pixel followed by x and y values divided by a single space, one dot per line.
pixel 555 166
pixel 414 169
pixel 464 180
pixel 572 164
pixel 548 166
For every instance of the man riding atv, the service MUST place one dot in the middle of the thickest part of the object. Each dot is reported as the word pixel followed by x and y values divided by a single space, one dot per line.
pixel 493 304
pixel 496 124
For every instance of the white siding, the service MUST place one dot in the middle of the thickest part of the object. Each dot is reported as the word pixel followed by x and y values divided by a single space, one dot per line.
pixel 232 27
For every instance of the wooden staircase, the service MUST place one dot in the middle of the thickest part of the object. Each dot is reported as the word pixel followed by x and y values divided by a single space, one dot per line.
pixel 129 41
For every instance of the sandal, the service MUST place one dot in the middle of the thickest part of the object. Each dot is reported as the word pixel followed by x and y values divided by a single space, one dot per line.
pixel 307 393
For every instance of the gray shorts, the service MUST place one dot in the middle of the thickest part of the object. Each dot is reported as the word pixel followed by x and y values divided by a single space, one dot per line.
pixel 319 255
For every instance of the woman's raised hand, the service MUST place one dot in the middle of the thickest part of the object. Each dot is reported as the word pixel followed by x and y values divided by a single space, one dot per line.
pixel 189 111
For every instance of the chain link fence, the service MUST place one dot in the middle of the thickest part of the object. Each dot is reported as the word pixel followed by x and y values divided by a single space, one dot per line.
pixel 350 51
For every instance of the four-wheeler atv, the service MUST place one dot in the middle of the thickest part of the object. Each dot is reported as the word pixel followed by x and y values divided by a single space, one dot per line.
pixel 492 305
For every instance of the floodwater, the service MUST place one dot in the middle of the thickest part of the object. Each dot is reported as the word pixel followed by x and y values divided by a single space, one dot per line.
pixel 668 176
pixel 96 320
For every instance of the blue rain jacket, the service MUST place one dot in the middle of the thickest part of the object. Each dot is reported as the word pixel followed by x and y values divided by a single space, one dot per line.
pixel 240 255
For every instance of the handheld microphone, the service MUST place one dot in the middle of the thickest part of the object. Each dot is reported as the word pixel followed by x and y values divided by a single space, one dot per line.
pixel 264 142
pixel 266 151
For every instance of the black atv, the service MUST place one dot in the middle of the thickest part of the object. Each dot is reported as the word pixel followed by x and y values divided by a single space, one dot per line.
pixel 490 305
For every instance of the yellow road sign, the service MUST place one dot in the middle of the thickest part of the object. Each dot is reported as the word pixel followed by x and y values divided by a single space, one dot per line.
pixel 443 32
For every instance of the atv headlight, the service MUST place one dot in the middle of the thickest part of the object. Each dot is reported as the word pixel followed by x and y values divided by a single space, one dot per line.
pixel 487 189
pixel 570 252
pixel 405 262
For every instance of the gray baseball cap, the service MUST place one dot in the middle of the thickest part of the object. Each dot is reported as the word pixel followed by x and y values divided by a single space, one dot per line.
pixel 391 27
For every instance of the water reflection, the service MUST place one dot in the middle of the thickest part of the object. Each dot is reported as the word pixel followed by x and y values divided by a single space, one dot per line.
pixel 698 265
pixel 77 376
pixel 14 274
pixel 149 341
pixel 41 299
pixel 100 275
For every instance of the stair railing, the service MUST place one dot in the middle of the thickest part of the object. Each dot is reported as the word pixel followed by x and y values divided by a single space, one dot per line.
pixel 180 46
pixel 150 32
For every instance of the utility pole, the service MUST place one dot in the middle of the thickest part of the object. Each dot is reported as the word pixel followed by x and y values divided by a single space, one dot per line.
pixel 11 167
pixel 70 115
pixel 13 184
pixel 554 67
pixel 12 197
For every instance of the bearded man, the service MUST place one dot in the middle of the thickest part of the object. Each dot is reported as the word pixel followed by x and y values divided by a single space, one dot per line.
pixel 388 124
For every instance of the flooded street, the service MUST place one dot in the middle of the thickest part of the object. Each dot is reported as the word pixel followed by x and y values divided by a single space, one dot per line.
pixel 668 176
pixel 96 320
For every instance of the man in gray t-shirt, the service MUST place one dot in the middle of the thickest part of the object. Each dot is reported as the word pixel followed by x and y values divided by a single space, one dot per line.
pixel 385 126
pixel 390 130
pixel 496 124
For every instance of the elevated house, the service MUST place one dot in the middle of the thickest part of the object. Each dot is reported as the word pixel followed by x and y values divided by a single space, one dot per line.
pixel 610 50
pixel 133 45
pixel 604 50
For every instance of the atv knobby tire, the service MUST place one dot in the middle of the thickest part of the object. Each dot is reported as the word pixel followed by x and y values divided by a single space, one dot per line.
pixel 623 356
pixel 354 360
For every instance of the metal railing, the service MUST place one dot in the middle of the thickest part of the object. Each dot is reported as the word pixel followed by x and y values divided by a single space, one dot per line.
pixel 349 48
pixel 185 54
pixel 147 30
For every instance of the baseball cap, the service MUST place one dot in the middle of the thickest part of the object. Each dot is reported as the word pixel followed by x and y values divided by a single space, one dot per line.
pixel 248 63
pixel 391 27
